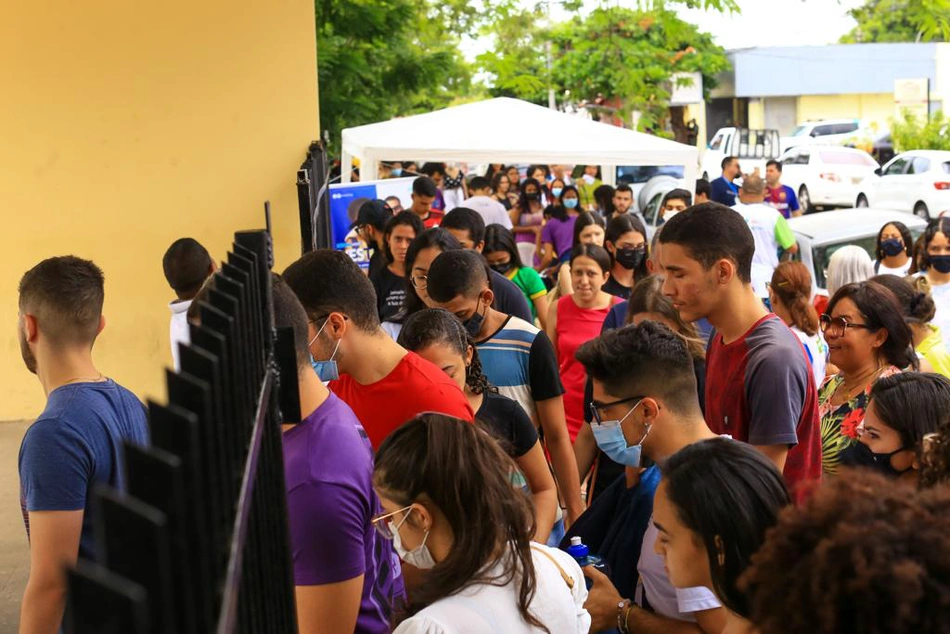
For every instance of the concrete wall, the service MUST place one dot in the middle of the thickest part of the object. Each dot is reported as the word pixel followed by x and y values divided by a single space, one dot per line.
pixel 872 109
pixel 127 125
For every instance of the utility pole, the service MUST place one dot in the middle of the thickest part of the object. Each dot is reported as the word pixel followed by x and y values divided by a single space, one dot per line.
pixel 551 104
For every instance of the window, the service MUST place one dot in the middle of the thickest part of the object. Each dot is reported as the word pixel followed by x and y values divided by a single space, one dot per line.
pixel 821 254
pixel 946 167
pixel 838 157
pixel 803 158
pixel 845 128
pixel 652 211
pixel 823 130
pixel 896 167
pixel 716 143
pixel 919 165
pixel 801 130
pixel 630 174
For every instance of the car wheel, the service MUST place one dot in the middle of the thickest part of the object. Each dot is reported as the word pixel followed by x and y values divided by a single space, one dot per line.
pixel 920 210
pixel 862 201
pixel 804 200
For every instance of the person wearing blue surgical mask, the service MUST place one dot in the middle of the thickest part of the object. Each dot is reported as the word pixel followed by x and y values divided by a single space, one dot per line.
pixel 557 235
pixel 645 408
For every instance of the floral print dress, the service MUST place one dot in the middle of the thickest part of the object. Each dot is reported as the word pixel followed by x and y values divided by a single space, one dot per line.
pixel 840 424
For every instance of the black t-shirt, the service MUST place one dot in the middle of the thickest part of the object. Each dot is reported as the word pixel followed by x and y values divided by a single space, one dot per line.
pixel 377 262
pixel 390 293
pixel 508 422
pixel 616 289
pixel 508 298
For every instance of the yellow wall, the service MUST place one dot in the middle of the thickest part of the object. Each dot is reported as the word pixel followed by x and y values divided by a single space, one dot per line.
pixel 870 108
pixel 126 125
pixel 756 113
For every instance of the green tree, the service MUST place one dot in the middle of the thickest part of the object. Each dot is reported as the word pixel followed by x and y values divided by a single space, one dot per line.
pixel 910 132
pixel 625 57
pixel 900 21
pixel 377 59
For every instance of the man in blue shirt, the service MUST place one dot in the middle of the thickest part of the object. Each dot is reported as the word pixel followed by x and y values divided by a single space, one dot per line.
pixel 76 442
pixel 724 191
pixel 777 195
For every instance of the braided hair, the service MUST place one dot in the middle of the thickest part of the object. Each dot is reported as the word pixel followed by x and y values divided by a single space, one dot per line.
pixel 438 326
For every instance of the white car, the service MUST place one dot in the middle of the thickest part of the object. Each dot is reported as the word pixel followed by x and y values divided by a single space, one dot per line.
pixel 915 182
pixel 820 235
pixel 753 148
pixel 825 132
pixel 826 175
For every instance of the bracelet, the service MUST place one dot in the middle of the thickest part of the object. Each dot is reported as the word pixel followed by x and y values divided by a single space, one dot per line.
pixel 621 616
pixel 626 617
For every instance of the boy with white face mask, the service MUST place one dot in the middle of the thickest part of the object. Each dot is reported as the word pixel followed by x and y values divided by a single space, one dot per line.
pixel 645 407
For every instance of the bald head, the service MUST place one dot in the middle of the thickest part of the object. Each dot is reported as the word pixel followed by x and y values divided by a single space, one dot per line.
pixel 752 189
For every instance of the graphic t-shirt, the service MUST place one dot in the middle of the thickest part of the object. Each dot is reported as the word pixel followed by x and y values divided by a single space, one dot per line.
pixel 328 467
pixel 840 423
pixel 75 444
pixel 390 293
pixel 519 360
pixel 413 387
pixel 508 422
pixel 783 199
pixel 531 285
pixel 760 390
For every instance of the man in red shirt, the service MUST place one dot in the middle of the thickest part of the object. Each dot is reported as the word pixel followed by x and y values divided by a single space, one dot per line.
pixel 758 378
pixel 384 384
pixel 424 193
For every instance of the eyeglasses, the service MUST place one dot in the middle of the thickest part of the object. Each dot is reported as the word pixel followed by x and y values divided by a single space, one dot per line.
pixel 596 407
pixel 383 523
pixel 420 282
pixel 837 326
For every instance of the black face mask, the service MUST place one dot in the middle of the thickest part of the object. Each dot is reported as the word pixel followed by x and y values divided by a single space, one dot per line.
pixel 861 455
pixel 892 247
pixel 502 267
pixel 532 196
pixel 941 263
pixel 473 325
pixel 630 258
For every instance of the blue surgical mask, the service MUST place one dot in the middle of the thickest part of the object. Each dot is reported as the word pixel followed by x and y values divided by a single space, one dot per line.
pixel 557 191
pixel 397 171
pixel 326 370
pixel 570 203
pixel 609 437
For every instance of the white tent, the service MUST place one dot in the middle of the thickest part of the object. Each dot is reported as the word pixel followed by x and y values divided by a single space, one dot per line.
pixel 508 131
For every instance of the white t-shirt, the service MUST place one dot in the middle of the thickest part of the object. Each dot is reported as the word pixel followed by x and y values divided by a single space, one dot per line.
pixel 762 219
pixel 491 211
pixel 674 603
pixel 880 269
pixel 178 329
pixel 817 353
pixel 485 608
pixel 941 296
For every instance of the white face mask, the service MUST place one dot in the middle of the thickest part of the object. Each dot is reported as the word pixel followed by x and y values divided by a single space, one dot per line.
pixel 420 557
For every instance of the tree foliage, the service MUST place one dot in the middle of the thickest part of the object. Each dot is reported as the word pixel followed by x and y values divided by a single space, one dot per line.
pixel 624 57
pixel 900 21
pixel 910 132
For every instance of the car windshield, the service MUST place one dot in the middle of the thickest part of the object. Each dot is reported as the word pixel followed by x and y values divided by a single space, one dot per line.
pixel 946 167
pixel 837 157
pixel 630 174
pixel 801 130
pixel 821 254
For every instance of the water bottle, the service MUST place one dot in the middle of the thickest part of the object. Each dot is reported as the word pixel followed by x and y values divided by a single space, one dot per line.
pixel 581 554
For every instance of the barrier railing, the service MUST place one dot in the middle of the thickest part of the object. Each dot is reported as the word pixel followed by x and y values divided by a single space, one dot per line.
pixel 198 542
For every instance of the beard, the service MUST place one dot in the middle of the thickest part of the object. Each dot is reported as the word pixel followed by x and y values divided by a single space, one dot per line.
pixel 29 359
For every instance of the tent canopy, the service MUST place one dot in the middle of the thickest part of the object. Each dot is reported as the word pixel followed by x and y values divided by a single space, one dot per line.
pixel 508 131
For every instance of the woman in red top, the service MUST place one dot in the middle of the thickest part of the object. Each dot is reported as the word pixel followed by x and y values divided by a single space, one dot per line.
pixel 576 319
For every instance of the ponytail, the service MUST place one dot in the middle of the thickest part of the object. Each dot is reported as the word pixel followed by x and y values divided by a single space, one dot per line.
pixel 791 283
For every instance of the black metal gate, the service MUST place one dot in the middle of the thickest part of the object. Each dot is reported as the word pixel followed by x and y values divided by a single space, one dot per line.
pixel 199 541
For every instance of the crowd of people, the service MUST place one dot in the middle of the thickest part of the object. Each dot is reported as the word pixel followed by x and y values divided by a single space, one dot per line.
pixel 523 367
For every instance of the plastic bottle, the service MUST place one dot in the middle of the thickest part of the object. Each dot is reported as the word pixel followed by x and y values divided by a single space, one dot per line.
pixel 581 554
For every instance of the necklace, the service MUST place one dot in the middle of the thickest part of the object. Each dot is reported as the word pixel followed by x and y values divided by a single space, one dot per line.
pixel 858 384
pixel 84 379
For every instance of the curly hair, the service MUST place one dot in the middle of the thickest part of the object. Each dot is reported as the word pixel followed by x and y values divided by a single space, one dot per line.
pixel 863 555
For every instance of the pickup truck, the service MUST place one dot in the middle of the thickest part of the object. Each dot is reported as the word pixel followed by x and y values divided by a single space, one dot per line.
pixel 753 148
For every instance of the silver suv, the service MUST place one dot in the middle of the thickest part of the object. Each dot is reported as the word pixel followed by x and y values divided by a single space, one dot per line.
pixel 826 132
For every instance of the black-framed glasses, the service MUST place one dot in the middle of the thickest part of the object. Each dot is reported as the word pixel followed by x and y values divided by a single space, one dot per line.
pixel 595 407
pixel 420 282
pixel 837 326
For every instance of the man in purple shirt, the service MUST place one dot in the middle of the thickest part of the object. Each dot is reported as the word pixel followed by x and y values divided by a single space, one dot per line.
pixel 347 575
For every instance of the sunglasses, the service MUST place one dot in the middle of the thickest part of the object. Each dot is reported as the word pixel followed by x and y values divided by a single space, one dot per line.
pixel 838 326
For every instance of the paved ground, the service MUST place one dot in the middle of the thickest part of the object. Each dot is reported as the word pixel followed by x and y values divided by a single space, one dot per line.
pixel 14 549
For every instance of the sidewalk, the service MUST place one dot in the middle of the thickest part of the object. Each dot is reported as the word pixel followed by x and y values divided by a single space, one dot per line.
pixel 14 548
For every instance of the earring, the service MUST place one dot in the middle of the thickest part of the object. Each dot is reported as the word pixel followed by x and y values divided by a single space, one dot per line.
pixel 720 552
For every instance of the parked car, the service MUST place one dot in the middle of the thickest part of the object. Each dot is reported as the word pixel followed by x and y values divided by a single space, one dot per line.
pixel 649 198
pixel 753 148
pixel 825 132
pixel 820 235
pixel 639 176
pixel 826 175
pixel 915 182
